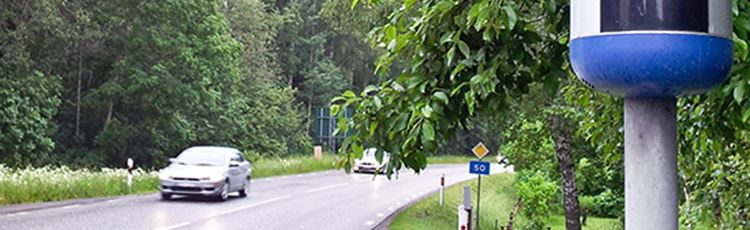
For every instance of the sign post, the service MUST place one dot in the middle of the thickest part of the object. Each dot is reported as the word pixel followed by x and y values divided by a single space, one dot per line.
pixel 479 167
pixel 442 188
pixel 651 52
pixel 464 211
pixel 130 172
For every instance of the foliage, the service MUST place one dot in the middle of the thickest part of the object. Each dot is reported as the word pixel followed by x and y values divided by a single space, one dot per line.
pixel 537 193
pixel 322 83
pixel 498 198
pixel 91 83
pixel 29 97
pixel 59 183
pixel 266 167
pixel 459 60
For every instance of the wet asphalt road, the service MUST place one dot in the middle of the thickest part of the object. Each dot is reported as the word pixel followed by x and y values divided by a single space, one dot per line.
pixel 323 200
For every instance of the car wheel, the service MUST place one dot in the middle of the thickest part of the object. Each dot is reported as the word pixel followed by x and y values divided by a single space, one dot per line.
pixel 245 188
pixel 224 195
pixel 166 196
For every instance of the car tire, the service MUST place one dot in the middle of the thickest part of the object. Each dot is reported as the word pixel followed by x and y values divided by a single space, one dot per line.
pixel 245 188
pixel 224 194
pixel 166 196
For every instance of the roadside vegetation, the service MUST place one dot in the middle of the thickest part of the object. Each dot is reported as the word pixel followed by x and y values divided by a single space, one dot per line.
pixel 51 183
pixel 501 66
pixel 498 200
pixel 449 159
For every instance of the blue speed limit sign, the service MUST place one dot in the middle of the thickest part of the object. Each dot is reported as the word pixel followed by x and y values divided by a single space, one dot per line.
pixel 479 167
pixel 651 48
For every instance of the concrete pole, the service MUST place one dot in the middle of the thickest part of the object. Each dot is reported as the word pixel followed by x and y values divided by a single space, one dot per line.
pixel 651 164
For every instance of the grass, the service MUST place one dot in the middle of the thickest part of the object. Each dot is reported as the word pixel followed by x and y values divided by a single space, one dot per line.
pixel 449 159
pixel 61 183
pixel 292 165
pixel 498 198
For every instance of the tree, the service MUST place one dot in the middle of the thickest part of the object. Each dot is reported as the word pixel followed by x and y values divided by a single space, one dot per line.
pixel 461 60
pixel 29 92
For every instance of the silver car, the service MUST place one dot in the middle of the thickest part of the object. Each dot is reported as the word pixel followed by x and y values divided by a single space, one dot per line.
pixel 206 171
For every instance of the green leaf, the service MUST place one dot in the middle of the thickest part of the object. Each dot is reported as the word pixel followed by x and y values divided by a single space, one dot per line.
pixel 441 97
pixel 373 126
pixel 370 90
pixel 464 48
pixel 428 131
pixel 449 56
pixel 408 4
pixel 447 37
pixel 390 32
pixel 427 111
pixel 354 3
pixel 512 18
pixel 335 110
pixel 739 92
pixel 746 114
pixel 349 94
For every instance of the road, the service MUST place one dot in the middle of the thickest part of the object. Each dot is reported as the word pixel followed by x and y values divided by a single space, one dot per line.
pixel 323 200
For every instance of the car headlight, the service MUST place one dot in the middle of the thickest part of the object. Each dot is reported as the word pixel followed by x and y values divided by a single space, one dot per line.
pixel 164 176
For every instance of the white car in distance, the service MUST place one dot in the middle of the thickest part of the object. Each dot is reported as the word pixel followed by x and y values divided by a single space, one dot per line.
pixel 369 162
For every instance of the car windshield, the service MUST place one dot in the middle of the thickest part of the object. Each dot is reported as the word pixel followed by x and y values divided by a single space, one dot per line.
pixel 201 158
pixel 369 155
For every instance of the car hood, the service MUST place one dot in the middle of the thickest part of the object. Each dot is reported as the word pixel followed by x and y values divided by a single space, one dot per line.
pixel 193 171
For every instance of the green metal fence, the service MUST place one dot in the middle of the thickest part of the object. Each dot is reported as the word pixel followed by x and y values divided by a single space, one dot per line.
pixel 325 126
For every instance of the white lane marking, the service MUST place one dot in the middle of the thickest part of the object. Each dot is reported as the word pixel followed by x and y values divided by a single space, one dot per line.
pixel 183 224
pixel 380 214
pixel 299 175
pixel 413 196
pixel 17 214
pixel 114 200
pixel 326 187
pixel 369 222
pixel 255 204
pixel 71 206
pixel 399 204
pixel 390 208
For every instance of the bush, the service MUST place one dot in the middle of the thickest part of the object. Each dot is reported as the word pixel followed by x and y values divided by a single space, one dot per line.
pixel 605 204
pixel 60 183
pixel 537 192
pixel 609 204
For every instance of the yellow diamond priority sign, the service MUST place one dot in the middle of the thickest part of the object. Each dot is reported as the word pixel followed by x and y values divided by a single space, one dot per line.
pixel 480 150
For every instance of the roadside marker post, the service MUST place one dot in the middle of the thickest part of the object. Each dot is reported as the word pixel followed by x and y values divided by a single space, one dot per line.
pixel 130 172
pixel 480 168
pixel 464 211
pixel 650 53
pixel 442 188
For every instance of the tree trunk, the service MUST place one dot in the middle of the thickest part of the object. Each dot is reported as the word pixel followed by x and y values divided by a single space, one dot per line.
pixel 309 117
pixel 109 114
pixel 567 171
pixel 78 90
